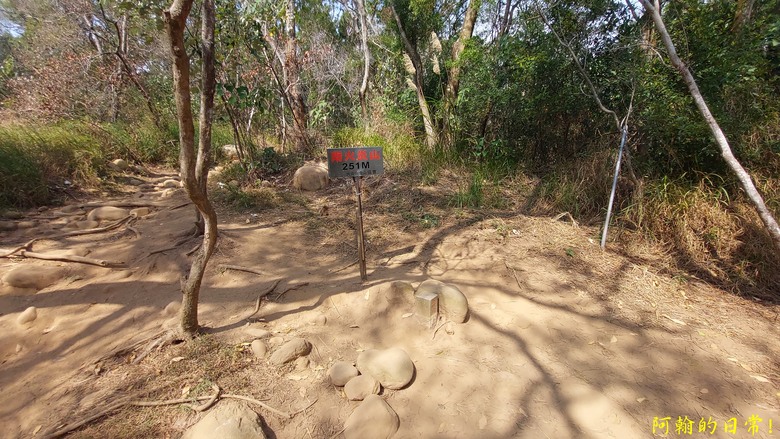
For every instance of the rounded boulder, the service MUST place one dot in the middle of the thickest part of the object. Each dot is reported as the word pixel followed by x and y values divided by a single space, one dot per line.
pixel 373 419
pixel 358 388
pixel 32 276
pixel 310 178
pixel 291 350
pixel 107 213
pixel 391 367
pixel 341 373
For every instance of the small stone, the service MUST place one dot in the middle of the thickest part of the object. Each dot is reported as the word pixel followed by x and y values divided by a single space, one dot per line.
pixel 401 288
pixel 275 341
pixel 119 165
pixel 256 332
pixel 321 320
pixel 391 367
pixel 310 178
pixel 373 419
pixel 139 212
pixel 19 347
pixel 32 276
pixel 227 420
pixel 291 350
pixel 301 363
pixel 107 213
pixel 342 372
pixel 259 349
pixel 27 316
pixel 168 193
pixel 171 183
pixel 172 308
pixel 86 225
pixel 358 388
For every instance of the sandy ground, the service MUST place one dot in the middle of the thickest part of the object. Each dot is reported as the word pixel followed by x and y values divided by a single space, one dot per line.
pixel 563 340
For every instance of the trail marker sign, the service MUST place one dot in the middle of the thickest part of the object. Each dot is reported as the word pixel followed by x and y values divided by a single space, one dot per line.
pixel 357 162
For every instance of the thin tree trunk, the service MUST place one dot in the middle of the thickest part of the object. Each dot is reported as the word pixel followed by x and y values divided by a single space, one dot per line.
pixel 366 60
pixel 453 78
pixel 297 102
pixel 194 170
pixel 431 136
pixel 725 150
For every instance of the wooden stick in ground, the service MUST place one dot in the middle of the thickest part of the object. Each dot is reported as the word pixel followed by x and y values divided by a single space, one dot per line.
pixel 26 246
pixel 239 268
pixel 71 258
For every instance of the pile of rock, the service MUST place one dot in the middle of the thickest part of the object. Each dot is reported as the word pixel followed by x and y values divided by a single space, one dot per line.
pixel 374 369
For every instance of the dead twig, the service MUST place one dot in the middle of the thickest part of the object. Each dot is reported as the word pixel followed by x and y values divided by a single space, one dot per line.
pixel 290 289
pixel 514 273
pixel 26 246
pixel 239 268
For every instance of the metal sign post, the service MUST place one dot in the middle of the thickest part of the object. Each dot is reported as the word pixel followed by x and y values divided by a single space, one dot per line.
pixel 356 163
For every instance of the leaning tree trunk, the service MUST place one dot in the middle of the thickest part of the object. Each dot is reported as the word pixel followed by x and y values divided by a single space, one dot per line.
pixel 453 77
pixel 725 150
pixel 194 171
pixel 431 136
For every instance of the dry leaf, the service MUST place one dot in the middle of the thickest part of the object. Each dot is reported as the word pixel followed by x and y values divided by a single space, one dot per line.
pixel 176 359
pixel 760 379
pixel 704 391
pixel 409 314
pixel 746 367
pixel 642 399
pixel 613 339
pixel 37 429
pixel 482 422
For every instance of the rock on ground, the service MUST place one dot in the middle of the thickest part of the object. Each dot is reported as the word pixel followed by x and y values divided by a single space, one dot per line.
pixel 358 388
pixel 107 213
pixel 119 165
pixel 32 276
pixel 27 316
pixel 452 302
pixel 391 367
pixel 373 419
pixel 140 211
pixel 310 178
pixel 291 350
pixel 170 184
pixel 401 288
pixel 341 372
pixel 258 348
pixel 228 420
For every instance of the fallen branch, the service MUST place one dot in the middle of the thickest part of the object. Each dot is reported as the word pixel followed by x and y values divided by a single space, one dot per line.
pixel 26 246
pixel 71 258
pixel 239 268
pixel 290 289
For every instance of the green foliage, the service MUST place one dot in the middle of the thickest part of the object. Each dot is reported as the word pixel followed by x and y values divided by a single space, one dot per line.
pixel 35 161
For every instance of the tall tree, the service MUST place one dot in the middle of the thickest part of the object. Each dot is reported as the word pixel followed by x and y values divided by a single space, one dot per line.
pixel 295 88
pixel 745 181
pixel 194 168
pixel 361 7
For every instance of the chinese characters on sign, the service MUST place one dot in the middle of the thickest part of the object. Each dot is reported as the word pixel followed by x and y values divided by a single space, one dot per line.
pixel 684 426
pixel 355 162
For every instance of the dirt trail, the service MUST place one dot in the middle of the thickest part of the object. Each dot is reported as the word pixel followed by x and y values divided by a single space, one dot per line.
pixel 563 340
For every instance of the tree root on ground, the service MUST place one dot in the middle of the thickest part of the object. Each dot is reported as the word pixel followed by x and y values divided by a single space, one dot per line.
pixel 211 400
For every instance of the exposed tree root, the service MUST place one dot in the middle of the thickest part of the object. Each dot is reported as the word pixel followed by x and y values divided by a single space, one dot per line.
pixel 211 400
pixel 260 297
pixel 303 284
pixel 71 258
pixel 239 268
pixel 26 246
pixel 111 226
